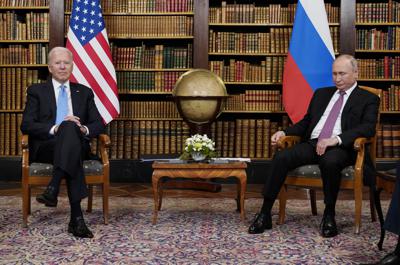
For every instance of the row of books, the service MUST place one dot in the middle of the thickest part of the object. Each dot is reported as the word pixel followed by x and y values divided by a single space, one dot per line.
pixel 29 26
pixel 255 100
pixel 17 3
pixel 390 100
pixel 24 54
pixel 238 138
pixel 146 26
pixel 378 12
pixel 142 6
pixel 132 139
pixel 10 134
pixel 147 81
pixel 270 70
pixel 13 84
pixel 383 68
pixel 275 41
pixel 148 109
pixel 152 57
pixel 388 141
pixel 272 13
pixel 375 39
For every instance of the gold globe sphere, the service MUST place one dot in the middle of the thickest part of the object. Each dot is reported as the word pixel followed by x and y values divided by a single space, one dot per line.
pixel 200 96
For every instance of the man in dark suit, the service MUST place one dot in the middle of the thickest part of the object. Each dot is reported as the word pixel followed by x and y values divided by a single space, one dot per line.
pixel 60 117
pixel 392 223
pixel 336 116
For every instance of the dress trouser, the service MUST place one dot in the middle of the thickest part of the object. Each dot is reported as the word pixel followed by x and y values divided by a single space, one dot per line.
pixel 66 152
pixel 392 222
pixel 331 164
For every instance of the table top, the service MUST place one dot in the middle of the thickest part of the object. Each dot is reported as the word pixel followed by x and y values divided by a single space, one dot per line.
pixel 197 165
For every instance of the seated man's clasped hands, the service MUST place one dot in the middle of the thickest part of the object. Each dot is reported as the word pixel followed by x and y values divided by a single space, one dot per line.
pixel 60 117
pixel 336 116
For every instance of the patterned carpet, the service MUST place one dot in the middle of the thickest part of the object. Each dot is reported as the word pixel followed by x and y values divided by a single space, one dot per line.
pixel 189 231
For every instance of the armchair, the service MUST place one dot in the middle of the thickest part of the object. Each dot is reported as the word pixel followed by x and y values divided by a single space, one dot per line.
pixel 39 174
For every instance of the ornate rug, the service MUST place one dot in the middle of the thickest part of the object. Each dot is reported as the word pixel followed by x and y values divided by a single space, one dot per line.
pixel 189 231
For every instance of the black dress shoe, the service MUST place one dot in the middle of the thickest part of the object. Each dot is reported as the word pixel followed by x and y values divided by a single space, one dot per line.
pixel 328 226
pixel 261 222
pixel 48 197
pixel 390 259
pixel 79 229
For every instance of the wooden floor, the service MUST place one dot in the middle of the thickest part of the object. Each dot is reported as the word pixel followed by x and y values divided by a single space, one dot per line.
pixel 145 190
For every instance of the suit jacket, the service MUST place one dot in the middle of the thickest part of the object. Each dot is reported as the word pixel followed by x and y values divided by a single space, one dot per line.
pixel 41 110
pixel 359 118
pixel 392 222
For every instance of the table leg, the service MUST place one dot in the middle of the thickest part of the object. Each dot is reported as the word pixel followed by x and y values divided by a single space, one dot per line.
pixel 155 182
pixel 242 181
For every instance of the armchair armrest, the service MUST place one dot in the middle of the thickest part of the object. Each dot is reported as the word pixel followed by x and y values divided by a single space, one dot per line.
pixel 288 141
pixel 25 157
pixel 104 143
pixel 359 146
pixel 24 141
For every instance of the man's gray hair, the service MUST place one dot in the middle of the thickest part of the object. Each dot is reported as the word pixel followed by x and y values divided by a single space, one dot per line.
pixel 351 59
pixel 58 49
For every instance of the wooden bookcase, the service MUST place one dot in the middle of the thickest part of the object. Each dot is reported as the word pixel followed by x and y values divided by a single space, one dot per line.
pixel 377 47
pixel 24 42
pixel 202 38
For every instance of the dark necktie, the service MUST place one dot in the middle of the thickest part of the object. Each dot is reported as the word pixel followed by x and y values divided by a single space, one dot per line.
pixel 327 130
pixel 62 105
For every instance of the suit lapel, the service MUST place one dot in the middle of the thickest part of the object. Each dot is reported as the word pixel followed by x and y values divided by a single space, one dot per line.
pixel 51 97
pixel 75 99
pixel 323 102
pixel 350 103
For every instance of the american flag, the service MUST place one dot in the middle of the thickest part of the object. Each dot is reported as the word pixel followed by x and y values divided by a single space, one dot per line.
pixel 93 67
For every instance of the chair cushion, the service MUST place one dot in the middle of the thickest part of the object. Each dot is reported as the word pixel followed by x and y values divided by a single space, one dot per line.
pixel 312 171
pixel 90 167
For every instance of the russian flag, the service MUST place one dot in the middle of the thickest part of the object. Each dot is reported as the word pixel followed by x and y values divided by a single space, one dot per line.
pixel 309 62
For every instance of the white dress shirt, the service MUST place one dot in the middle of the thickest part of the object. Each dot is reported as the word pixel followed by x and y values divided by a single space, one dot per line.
pixel 337 129
pixel 57 88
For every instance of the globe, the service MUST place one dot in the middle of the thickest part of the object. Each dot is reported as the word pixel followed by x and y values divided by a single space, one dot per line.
pixel 199 96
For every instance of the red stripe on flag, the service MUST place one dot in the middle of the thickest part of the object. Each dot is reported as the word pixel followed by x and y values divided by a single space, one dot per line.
pixel 104 43
pixel 93 83
pixel 297 92
pixel 99 64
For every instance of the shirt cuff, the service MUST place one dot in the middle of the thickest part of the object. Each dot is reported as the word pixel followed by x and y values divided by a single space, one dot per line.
pixel 51 132
pixel 339 140
pixel 87 130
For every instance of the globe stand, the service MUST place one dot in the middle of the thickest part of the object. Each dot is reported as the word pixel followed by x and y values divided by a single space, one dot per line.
pixel 199 96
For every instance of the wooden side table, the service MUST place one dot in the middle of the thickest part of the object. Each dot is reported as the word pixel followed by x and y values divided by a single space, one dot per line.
pixel 198 171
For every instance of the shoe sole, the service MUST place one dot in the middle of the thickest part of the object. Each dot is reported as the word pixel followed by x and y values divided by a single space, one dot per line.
pixel 46 203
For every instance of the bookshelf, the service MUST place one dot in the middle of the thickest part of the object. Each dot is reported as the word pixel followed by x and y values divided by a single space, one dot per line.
pixel 247 48
pixel 377 49
pixel 24 42
pixel 154 41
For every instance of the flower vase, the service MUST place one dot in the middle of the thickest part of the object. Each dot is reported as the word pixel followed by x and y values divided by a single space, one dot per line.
pixel 198 156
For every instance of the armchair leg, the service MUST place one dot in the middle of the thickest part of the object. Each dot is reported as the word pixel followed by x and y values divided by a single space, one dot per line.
pixel 25 204
pixel 372 205
pixel 358 205
pixel 282 204
pixel 313 201
pixel 106 192
pixel 29 200
pixel 90 199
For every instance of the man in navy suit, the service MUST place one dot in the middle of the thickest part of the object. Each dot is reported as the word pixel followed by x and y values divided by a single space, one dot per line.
pixel 60 117
pixel 392 223
pixel 356 116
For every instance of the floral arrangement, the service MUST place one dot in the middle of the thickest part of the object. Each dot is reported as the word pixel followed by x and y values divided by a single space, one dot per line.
pixel 199 147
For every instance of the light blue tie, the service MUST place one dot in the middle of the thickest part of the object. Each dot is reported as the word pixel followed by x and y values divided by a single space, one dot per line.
pixel 62 105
